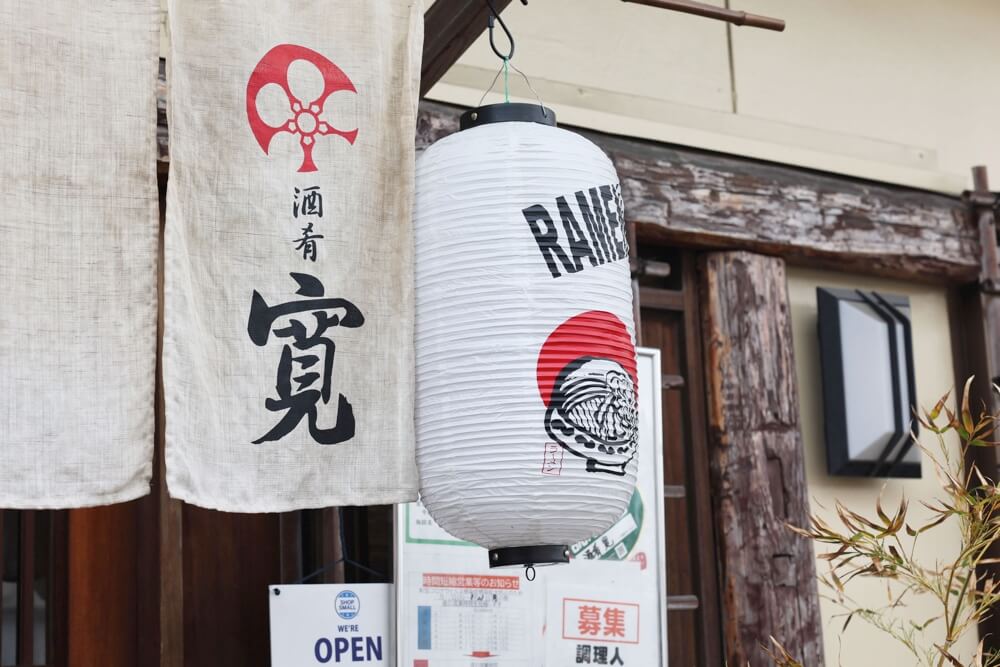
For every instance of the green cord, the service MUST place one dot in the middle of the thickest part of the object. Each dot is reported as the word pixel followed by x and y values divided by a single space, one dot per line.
pixel 506 81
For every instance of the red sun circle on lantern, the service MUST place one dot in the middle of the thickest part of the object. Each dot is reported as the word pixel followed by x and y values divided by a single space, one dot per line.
pixel 595 333
pixel 588 381
pixel 304 115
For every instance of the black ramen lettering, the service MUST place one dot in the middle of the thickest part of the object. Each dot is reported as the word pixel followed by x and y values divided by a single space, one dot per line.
pixel 596 237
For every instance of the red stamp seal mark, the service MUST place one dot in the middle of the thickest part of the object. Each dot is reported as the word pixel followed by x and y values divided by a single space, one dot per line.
pixel 304 120
pixel 553 460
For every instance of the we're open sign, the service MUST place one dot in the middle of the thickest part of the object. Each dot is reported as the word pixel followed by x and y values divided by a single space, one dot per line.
pixel 332 625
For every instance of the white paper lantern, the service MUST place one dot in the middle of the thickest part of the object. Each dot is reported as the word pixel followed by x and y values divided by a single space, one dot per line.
pixel 526 371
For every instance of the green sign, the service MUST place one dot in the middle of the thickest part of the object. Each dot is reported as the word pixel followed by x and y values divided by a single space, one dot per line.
pixel 618 541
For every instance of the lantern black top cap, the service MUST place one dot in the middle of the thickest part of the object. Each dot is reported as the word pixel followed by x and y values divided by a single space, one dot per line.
pixel 508 112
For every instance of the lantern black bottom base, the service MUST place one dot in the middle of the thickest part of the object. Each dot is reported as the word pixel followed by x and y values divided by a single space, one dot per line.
pixel 545 554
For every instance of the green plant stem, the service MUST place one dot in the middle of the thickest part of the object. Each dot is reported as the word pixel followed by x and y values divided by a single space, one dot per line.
pixel 949 636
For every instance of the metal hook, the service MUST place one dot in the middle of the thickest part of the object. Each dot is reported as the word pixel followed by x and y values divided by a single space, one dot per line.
pixel 492 20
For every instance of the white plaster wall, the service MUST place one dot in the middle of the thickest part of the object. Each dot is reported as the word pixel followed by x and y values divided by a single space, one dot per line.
pixel 861 644
pixel 881 89
pixel 901 91
pixel 586 43
pixel 915 72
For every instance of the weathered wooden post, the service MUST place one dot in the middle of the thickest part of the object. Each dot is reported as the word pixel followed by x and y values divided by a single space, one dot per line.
pixel 758 471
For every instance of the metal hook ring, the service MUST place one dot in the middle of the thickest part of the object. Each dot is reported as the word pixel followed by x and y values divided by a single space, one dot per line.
pixel 494 18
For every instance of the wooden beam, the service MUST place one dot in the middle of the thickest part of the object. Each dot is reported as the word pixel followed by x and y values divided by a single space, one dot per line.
pixel 687 197
pixel 57 654
pixel 229 562
pixel 168 514
pixel 974 314
pixel 290 527
pixel 3 550
pixel 450 28
pixel 664 299
pixel 103 567
pixel 718 13
pixel 26 589
pixel 708 626
pixel 975 320
pixel 757 462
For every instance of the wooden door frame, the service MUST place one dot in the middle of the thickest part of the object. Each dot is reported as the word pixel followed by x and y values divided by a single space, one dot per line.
pixel 686 302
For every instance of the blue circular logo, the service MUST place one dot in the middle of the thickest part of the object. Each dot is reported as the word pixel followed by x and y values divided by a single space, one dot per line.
pixel 348 605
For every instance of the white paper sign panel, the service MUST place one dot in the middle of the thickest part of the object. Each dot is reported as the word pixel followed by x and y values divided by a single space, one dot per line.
pixel 601 625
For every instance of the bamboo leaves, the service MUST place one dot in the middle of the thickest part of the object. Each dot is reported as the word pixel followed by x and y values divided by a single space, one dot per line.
pixel 883 545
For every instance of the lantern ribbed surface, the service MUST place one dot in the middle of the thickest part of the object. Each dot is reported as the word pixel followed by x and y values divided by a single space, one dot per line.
pixel 526 373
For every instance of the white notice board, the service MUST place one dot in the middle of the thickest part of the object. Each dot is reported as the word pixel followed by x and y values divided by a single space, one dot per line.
pixel 454 611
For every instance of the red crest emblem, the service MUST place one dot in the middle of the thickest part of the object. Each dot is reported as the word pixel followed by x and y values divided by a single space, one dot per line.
pixel 304 120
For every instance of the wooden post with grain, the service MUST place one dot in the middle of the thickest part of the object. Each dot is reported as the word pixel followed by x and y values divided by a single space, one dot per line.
pixel 768 573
